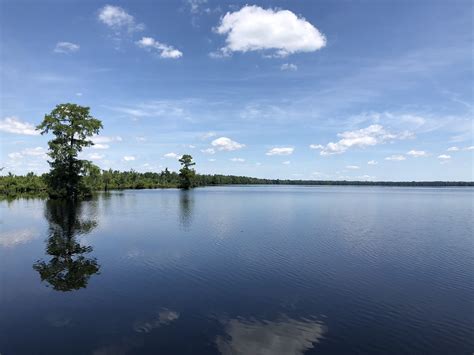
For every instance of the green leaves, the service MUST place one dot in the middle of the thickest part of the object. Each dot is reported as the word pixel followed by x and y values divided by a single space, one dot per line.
pixel 71 126
pixel 187 175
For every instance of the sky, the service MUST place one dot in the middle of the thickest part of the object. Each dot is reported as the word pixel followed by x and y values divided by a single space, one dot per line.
pixel 323 89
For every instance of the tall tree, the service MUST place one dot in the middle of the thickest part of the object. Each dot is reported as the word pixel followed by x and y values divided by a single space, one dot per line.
pixel 71 125
pixel 186 174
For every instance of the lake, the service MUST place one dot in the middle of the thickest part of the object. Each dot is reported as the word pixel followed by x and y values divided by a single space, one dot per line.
pixel 240 270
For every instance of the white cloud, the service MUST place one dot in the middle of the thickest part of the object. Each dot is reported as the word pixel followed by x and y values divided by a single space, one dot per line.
pixel 78 93
pixel 36 152
pixel 66 47
pixel 417 153
pixel 164 50
pixel 15 155
pixel 198 6
pixel 444 157
pixel 289 67
pixel 396 157
pixel 208 135
pixel 365 177
pixel 155 108
pixel 100 146
pixel 32 152
pixel 100 142
pixel 254 29
pixel 280 151
pixel 365 137
pixel 240 160
pixel 118 19
pixel 15 125
pixel 106 139
pixel 208 151
pixel 452 149
pixel 172 155
pixel 129 158
pixel 224 143
pixel 372 162
pixel 469 148
pixel 287 162
pixel 212 159
pixel 96 156
pixel 352 167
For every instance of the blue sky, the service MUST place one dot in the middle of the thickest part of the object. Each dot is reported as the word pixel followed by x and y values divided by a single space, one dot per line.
pixel 366 90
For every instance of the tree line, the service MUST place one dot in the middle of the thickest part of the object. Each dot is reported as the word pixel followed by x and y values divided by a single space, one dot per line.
pixel 104 180
pixel 72 178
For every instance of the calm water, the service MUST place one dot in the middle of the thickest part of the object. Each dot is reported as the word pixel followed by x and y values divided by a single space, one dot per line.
pixel 240 270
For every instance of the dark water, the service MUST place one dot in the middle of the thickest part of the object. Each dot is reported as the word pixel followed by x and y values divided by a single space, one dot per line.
pixel 240 270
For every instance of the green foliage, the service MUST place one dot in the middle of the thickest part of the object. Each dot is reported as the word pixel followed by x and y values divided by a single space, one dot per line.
pixel 71 126
pixel 186 174
pixel 33 185
pixel 29 184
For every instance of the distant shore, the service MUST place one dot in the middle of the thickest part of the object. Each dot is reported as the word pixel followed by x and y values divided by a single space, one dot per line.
pixel 32 185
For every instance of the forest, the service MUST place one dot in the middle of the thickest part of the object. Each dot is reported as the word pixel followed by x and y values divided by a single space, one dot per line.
pixel 102 180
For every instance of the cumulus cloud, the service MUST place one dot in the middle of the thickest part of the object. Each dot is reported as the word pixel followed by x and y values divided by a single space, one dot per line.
pixel 129 158
pixel 66 47
pixel 163 50
pixel 96 156
pixel 444 157
pixel 31 152
pixel 289 67
pixel 417 153
pixel 101 142
pixel 372 162
pixel 452 149
pixel 277 337
pixel 12 238
pixel 253 28
pixel 15 155
pixel 118 19
pixel 172 155
pixel 469 148
pixel 15 125
pixel 352 167
pixel 280 151
pixel 395 157
pixel 224 143
pixel 287 162
pixel 239 160
pixel 361 138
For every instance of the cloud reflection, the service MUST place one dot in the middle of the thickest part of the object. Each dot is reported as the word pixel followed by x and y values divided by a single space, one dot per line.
pixel 165 317
pixel 286 336
pixel 9 239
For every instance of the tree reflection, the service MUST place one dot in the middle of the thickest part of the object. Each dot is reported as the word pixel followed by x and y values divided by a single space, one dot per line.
pixel 186 203
pixel 69 267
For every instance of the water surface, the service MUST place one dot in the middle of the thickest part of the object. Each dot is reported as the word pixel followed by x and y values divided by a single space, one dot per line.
pixel 240 270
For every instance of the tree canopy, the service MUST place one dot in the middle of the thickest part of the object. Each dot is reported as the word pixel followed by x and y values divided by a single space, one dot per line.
pixel 72 126
pixel 186 174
